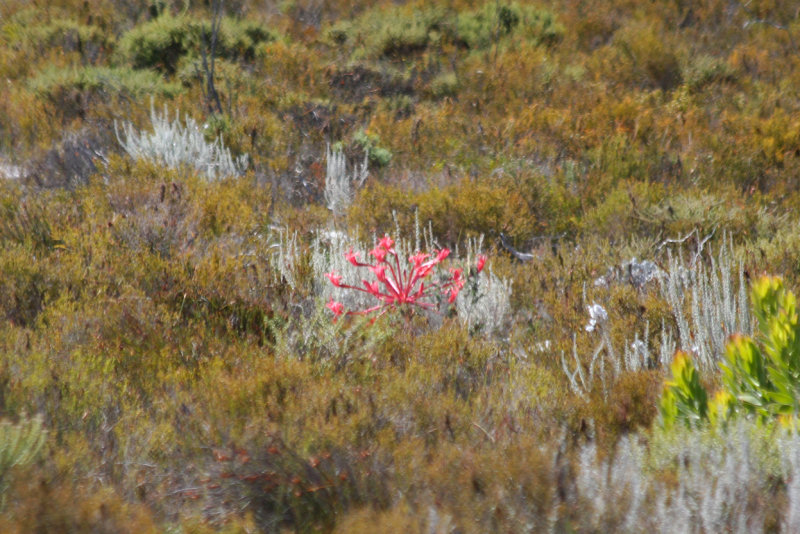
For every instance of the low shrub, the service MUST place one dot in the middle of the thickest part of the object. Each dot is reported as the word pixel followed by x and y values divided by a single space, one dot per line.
pixel 494 21
pixel 19 445
pixel 90 42
pixel 25 286
pixel 74 91
pixel 465 209
pixel 371 146
pixel 47 502
pixel 178 146
pixel 389 33
pixel 397 32
pixel 162 42
pixel 645 56
pixel 70 162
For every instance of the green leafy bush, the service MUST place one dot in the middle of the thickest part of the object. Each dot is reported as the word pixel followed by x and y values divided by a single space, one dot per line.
pixel 684 398
pixel 488 24
pixel 64 35
pixel 162 42
pixel 370 144
pixel 403 31
pixel 390 33
pixel 761 376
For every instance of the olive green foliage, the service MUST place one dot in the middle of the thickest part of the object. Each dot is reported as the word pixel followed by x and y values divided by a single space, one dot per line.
pixel 75 90
pixel 162 42
pixel 494 21
pixel 394 32
pixel 64 35
pixel 26 224
pixel 445 84
pixel 58 84
pixel 371 147
pixel 400 31
pixel 170 332
pixel 760 375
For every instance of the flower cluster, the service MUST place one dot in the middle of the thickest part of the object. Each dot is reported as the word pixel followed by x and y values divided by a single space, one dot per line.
pixel 395 286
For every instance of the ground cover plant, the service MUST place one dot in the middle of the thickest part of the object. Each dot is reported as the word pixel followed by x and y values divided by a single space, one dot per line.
pixel 567 233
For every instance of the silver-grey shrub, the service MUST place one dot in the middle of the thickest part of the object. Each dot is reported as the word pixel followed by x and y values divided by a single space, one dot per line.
pixel 328 255
pixel 709 304
pixel 284 255
pixel 330 344
pixel 718 304
pixel 718 477
pixel 488 307
pixel 179 144
pixel 340 187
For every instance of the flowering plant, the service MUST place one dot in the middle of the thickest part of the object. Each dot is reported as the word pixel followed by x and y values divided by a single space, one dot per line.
pixel 398 287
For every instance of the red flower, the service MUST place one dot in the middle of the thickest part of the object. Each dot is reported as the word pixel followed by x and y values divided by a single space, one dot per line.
pixel 373 288
pixel 379 254
pixel 481 262
pixel 387 243
pixel 334 278
pixel 418 258
pixel 379 271
pixel 352 257
pixel 336 307
pixel 394 286
pixel 453 295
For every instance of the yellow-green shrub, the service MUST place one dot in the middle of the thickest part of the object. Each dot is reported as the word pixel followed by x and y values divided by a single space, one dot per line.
pixel 760 376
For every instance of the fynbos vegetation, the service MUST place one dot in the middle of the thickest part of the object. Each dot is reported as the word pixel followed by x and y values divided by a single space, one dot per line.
pixel 584 319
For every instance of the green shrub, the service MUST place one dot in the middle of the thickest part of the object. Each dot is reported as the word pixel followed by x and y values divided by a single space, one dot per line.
pixel 64 35
pixel 403 31
pixel 705 70
pixel 370 144
pixel 390 33
pixel 53 82
pixel 74 91
pixel 761 376
pixel 445 84
pixel 162 42
pixel 487 25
